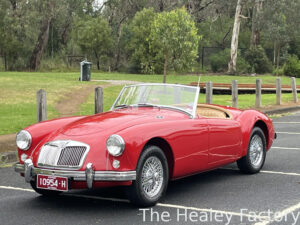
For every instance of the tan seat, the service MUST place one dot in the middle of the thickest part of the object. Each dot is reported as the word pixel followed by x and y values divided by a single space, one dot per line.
pixel 211 111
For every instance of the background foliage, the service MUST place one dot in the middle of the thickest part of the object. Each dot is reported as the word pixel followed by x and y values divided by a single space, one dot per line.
pixel 131 36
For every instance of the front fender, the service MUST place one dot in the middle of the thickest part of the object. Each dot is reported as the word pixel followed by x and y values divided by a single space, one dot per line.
pixel 40 130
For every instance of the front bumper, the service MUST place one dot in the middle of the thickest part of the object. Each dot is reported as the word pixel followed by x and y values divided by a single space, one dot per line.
pixel 89 175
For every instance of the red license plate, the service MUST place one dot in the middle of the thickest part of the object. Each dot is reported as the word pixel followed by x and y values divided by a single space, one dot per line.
pixel 52 182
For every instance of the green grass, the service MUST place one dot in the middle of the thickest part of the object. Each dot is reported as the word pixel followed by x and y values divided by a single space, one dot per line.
pixel 109 96
pixel 18 96
pixel 18 93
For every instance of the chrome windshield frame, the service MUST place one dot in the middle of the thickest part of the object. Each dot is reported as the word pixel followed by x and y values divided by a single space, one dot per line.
pixel 192 115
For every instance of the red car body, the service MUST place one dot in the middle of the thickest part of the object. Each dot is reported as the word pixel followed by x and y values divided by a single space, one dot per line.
pixel 191 145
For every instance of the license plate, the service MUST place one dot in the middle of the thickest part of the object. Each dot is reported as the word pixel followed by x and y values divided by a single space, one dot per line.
pixel 52 182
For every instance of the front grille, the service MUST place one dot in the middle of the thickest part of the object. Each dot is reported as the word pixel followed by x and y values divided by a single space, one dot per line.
pixel 64 154
pixel 71 156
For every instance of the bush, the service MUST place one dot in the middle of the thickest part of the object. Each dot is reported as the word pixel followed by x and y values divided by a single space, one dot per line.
pixel 258 60
pixel 292 66
pixel 219 62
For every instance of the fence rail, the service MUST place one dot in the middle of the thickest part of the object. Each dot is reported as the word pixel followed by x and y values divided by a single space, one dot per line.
pixel 209 87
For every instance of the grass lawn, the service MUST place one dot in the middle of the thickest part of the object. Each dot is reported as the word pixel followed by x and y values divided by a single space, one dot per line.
pixel 18 96
pixel 18 93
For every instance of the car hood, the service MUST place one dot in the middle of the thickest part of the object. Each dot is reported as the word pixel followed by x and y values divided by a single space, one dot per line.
pixel 114 121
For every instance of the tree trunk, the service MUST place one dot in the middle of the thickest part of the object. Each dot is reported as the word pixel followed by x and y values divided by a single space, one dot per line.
pixel 278 58
pixel 40 45
pixel 117 55
pixel 98 61
pixel 256 16
pixel 165 68
pixel 235 38
pixel 274 54
pixel 5 62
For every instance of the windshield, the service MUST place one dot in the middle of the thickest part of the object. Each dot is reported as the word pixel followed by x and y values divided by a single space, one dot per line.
pixel 180 97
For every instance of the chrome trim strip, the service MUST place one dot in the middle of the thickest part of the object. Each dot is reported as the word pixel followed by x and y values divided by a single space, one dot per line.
pixel 81 175
pixel 66 143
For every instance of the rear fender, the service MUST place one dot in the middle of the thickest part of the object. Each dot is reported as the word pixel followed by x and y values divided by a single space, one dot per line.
pixel 248 120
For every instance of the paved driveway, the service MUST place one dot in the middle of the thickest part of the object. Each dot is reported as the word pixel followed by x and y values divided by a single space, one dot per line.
pixel 223 196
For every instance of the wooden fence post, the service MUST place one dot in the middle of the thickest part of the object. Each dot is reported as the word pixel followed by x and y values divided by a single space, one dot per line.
pixel 209 92
pixel 278 91
pixel 294 89
pixel 98 100
pixel 41 102
pixel 258 93
pixel 234 93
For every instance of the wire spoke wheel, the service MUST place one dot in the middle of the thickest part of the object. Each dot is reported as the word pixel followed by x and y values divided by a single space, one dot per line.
pixel 152 176
pixel 256 150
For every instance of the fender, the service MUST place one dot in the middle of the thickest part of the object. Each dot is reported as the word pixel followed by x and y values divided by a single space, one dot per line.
pixel 250 118
pixel 40 130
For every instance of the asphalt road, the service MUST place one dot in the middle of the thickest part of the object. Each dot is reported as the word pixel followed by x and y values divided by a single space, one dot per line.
pixel 223 196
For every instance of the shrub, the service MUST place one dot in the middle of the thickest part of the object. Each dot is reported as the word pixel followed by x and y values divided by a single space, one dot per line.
pixel 258 60
pixel 292 66
pixel 219 62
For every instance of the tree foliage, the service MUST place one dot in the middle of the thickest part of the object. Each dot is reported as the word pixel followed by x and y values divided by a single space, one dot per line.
pixel 174 36
pixel 93 35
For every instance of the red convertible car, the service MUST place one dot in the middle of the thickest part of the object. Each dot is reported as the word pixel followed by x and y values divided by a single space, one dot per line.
pixel 152 134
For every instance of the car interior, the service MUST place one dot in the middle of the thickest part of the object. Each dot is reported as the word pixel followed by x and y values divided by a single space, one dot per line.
pixel 211 111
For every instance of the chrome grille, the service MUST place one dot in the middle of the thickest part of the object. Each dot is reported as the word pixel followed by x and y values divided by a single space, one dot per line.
pixel 71 156
pixel 63 154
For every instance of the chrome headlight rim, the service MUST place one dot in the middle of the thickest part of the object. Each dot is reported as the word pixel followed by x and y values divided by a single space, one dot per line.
pixel 121 144
pixel 29 138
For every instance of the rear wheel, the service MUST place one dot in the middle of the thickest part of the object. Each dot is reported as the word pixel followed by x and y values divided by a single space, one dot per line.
pixel 256 155
pixel 44 192
pixel 152 178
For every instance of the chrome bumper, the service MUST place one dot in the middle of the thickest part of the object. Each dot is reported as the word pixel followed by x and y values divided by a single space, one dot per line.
pixel 89 175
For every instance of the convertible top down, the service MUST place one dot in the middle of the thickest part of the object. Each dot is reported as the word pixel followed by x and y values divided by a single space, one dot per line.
pixel 152 134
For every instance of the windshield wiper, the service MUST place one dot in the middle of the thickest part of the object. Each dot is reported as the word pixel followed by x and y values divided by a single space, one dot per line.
pixel 121 106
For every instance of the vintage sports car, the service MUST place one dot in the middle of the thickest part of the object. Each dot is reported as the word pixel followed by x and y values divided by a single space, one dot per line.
pixel 152 134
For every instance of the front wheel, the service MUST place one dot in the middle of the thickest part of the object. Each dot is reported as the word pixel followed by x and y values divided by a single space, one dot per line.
pixel 256 155
pixel 152 178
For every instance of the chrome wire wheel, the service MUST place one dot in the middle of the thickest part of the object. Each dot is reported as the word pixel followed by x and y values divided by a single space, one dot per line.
pixel 152 176
pixel 256 151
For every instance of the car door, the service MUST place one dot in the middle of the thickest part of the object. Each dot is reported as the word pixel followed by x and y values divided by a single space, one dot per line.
pixel 225 138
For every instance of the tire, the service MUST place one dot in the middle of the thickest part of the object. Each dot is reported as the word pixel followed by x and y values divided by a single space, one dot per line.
pixel 151 192
pixel 47 193
pixel 256 155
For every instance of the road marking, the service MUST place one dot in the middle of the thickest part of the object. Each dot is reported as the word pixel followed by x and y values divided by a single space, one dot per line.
pixel 16 188
pixel 267 171
pixel 287 133
pixel 280 214
pixel 158 204
pixel 286 148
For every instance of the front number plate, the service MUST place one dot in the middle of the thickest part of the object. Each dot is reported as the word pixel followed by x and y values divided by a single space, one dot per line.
pixel 52 182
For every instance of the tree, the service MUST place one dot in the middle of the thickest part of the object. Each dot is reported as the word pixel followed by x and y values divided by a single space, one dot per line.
pixel 139 43
pixel 174 35
pixel 235 37
pixel 256 18
pixel 94 37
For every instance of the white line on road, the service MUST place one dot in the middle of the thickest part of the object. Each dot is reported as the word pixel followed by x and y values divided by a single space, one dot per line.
pixel 267 171
pixel 16 188
pixel 252 216
pixel 287 133
pixel 286 148
pixel 280 215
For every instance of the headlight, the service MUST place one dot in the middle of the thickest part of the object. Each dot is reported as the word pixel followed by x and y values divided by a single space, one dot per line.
pixel 115 145
pixel 23 140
